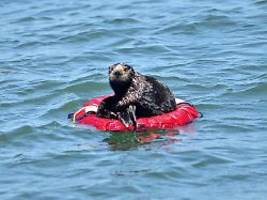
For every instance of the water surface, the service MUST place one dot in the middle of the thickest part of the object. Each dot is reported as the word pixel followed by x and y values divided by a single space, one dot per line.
pixel 54 56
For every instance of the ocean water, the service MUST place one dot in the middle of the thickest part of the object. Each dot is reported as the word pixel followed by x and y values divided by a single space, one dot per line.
pixel 54 56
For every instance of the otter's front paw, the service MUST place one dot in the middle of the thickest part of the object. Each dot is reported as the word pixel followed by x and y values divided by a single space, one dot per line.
pixel 125 119
pixel 128 117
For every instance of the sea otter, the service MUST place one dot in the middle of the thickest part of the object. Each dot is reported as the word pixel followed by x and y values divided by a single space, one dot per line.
pixel 135 95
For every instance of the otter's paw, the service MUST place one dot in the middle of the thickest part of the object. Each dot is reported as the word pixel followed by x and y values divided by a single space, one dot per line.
pixel 125 118
pixel 128 117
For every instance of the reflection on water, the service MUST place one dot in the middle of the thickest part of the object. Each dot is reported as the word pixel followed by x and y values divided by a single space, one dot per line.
pixel 128 140
pixel 54 56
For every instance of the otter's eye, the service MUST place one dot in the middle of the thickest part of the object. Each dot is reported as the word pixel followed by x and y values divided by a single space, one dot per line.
pixel 111 67
pixel 125 68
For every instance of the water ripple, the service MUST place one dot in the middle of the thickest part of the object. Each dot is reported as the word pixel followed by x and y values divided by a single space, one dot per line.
pixel 55 56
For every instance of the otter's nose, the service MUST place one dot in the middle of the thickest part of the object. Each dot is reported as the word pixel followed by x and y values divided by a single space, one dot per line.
pixel 117 73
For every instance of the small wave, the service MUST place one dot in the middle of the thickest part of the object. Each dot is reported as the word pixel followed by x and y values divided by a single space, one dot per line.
pixel 31 44
pixel 122 42
pixel 210 106
pixel 199 87
pixel 233 128
pixel 16 133
pixel 217 21
pixel 209 160
pixel 210 21
pixel 150 49
pixel 172 78
pixel 257 91
pixel 89 36
pixel 85 86
pixel 122 21
pixel 260 89
pixel 60 108
pixel 25 19
pixel 185 28
pixel 92 75
pixel 261 2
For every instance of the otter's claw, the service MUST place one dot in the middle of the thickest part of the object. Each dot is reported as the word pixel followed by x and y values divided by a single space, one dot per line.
pixel 128 117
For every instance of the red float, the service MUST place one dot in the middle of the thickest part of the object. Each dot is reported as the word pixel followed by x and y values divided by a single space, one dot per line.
pixel 184 114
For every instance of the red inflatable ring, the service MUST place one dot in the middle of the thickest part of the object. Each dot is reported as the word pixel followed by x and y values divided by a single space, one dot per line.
pixel 184 114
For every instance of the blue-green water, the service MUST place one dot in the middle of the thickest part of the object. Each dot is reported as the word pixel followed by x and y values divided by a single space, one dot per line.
pixel 54 55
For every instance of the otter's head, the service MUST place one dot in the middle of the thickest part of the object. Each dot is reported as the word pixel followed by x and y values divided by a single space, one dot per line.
pixel 120 72
pixel 120 76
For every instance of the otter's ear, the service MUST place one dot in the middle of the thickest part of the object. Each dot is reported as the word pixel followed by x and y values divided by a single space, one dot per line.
pixel 129 67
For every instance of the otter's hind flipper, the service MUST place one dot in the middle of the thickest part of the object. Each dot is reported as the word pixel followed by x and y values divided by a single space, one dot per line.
pixel 128 117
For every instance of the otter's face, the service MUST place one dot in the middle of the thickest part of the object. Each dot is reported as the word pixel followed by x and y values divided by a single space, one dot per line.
pixel 120 72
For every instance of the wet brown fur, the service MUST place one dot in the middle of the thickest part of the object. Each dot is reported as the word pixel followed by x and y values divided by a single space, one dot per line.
pixel 136 95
